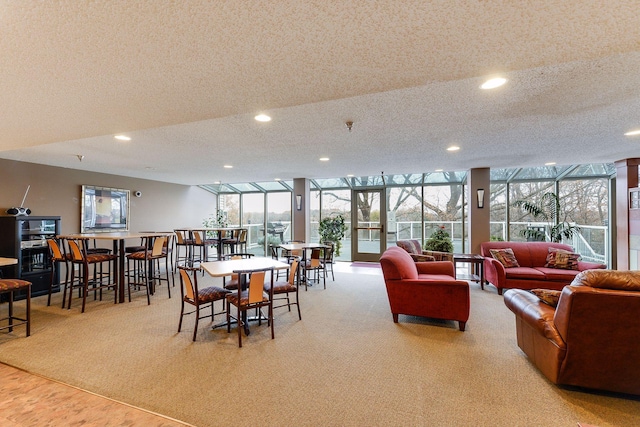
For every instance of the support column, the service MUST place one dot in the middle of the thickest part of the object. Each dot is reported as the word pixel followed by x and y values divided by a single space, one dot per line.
pixel 627 227
pixel 301 217
pixel 479 185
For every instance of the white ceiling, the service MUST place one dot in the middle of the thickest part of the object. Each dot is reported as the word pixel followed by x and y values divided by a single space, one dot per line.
pixel 185 79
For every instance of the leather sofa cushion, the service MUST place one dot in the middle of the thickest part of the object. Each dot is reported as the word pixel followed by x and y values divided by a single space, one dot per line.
pixel 609 279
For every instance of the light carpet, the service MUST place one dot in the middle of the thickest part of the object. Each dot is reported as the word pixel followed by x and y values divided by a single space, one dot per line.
pixel 344 364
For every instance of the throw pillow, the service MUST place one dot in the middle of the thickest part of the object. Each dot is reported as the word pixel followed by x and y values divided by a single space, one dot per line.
pixel 505 256
pixel 547 296
pixel 559 258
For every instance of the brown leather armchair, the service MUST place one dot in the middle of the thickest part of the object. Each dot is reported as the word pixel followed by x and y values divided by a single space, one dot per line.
pixel 592 338
pixel 426 289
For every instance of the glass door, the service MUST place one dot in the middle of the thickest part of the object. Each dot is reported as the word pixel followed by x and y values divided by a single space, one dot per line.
pixel 368 216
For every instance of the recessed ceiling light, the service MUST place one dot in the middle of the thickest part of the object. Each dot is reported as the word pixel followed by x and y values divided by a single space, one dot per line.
pixel 350 175
pixel 277 179
pixel 493 83
pixel 453 148
pixel 633 133
pixel 228 167
pixel 324 159
pixel 122 138
pixel 217 182
pixel 550 163
pixel 262 118
pixel 439 170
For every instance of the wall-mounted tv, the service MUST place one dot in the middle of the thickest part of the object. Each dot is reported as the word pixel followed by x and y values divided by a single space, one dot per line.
pixel 104 209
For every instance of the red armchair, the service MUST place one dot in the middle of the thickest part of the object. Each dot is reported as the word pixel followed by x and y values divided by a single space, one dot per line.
pixel 426 289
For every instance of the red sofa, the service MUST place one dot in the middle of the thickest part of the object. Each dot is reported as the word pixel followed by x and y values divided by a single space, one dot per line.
pixel 532 273
pixel 426 289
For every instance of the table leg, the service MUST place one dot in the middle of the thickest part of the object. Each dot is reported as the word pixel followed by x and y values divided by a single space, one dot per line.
pixel 118 248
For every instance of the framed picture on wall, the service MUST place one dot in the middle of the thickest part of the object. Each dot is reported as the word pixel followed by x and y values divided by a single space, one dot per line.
pixel 104 209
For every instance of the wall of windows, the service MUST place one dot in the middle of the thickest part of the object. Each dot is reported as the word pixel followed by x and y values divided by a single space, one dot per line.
pixel 418 204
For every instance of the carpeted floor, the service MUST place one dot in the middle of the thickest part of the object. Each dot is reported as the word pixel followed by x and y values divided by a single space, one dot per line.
pixel 345 364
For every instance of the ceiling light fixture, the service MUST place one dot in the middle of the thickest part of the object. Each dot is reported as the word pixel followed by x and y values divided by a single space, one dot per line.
pixel 262 118
pixel 453 148
pixel 122 138
pixel 439 170
pixel 324 159
pixel 228 167
pixel 632 133
pixel 550 163
pixel 277 179
pixel 350 175
pixel 493 83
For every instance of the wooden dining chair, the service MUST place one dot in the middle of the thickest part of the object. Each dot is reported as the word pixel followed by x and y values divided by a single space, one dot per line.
pixel 314 266
pixel 232 283
pixel 253 296
pixel 282 289
pixel 327 259
pixel 198 298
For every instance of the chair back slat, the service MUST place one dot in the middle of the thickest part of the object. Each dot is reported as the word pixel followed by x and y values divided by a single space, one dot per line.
pixel 56 253
pixel 158 245
pixel 256 286
pixel 187 285
pixel 197 237
pixel 179 237
pixel 293 271
pixel 76 252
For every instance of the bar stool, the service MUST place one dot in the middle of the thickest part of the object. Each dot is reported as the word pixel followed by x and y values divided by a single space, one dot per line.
pixel 58 258
pixel 143 272
pixel 183 243
pixel 15 285
pixel 79 256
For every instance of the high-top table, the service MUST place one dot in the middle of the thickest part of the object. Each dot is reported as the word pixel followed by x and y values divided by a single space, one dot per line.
pixel 218 230
pixel 118 248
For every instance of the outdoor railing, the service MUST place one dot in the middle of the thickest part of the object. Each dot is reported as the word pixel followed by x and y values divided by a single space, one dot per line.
pixel 591 242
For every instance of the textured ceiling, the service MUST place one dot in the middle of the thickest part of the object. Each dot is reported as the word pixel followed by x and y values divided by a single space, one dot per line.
pixel 185 79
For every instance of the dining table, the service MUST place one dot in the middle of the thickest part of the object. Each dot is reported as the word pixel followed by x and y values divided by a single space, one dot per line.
pixel 118 239
pixel 227 267
pixel 303 248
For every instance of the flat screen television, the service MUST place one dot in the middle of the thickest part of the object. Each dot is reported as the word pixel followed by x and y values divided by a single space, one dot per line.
pixel 104 209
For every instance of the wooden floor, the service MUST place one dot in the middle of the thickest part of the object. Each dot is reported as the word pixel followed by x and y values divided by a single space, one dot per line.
pixel 31 400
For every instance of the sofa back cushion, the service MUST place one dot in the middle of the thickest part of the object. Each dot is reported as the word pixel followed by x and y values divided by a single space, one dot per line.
pixel 397 264
pixel 411 246
pixel 609 279
pixel 528 254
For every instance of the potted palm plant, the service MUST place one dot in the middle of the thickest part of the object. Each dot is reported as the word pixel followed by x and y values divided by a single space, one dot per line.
pixel 550 211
